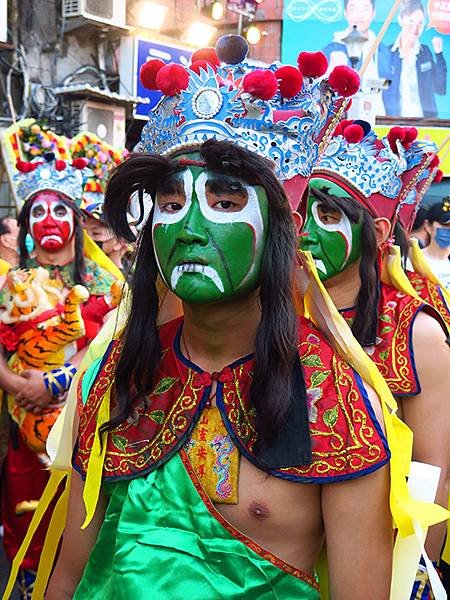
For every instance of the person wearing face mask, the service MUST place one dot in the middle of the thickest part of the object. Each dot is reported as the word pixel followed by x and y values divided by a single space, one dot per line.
pixel 50 190
pixel 437 225
pixel 416 75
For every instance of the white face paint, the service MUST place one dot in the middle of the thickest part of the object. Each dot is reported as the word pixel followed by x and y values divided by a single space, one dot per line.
pixel 250 214
pixel 209 234
pixel 343 227
pixel 51 223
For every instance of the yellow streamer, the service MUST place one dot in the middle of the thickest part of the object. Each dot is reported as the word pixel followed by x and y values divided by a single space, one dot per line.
pixel 421 266
pixel 56 477
pixel 52 539
pixel 96 459
pixel 392 273
pixel 96 254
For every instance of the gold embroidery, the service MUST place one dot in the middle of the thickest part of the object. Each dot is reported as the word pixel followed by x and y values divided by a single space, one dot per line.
pixel 214 457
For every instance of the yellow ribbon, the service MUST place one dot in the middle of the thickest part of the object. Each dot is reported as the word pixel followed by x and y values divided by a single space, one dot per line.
pixel 392 273
pixel 52 539
pixel 56 477
pixel 96 254
pixel 420 265
pixel 94 473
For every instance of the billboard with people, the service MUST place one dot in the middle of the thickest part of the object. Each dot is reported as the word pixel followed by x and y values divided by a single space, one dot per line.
pixel 411 60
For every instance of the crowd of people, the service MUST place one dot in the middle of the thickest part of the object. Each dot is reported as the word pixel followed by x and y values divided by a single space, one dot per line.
pixel 239 418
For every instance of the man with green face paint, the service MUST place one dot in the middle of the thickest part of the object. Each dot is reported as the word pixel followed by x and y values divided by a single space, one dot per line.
pixel 395 326
pixel 206 207
pixel 217 451
pixel 195 435
pixel 333 240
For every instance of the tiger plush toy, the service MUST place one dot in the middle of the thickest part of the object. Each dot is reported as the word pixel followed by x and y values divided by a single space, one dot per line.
pixel 42 327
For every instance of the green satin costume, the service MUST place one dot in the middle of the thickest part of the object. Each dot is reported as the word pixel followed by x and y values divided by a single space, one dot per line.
pixel 159 541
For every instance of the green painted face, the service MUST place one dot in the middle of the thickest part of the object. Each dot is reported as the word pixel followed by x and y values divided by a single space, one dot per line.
pixel 333 240
pixel 209 235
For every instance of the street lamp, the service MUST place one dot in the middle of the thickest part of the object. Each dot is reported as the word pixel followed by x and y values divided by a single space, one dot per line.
pixel 217 10
pixel 199 31
pixel 151 15
pixel 253 35
pixel 354 42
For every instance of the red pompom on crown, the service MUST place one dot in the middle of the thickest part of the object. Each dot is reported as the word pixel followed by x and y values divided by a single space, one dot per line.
pixel 312 64
pixel 396 133
pixel 80 163
pixel 411 134
pixel 60 165
pixel 209 55
pixel 172 79
pixel 148 72
pixel 341 126
pixel 23 166
pixel 353 133
pixel 202 64
pixel 435 161
pixel 344 80
pixel 290 81
pixel 438 177
pixel 261 83
pixel 26 167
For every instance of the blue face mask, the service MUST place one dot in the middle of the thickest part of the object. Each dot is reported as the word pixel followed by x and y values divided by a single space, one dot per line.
pixel 29 243
pixel 443 237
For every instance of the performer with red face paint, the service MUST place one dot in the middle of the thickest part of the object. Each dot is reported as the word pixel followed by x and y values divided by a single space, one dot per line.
pixel 51 190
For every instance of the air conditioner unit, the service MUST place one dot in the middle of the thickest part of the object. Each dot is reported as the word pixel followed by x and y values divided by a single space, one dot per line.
pixel 109 12
pixel 105 120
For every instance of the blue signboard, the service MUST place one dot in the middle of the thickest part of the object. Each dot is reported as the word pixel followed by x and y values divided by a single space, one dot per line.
pixel 147 50
pixel 412 58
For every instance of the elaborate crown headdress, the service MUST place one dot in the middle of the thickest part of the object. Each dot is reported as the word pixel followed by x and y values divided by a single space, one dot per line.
pixel 417 179
pixel 373 170
pixel 101 159
pixel 46 173
pixel 284 113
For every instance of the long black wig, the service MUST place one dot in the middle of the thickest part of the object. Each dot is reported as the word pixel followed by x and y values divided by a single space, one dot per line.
pixel 23 221
pixel 364 326
pixel 277 370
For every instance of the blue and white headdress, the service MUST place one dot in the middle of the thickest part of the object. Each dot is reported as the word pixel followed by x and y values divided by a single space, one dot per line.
pixel 375 171
pixel 46 173
pixel 283 113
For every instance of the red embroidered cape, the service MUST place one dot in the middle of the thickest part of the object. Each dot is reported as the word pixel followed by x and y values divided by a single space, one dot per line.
pixel 347 440
pixel 431 293
pixel 393 350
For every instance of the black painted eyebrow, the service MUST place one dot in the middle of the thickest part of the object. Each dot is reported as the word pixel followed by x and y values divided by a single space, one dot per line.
pixel 171 186
pixel 225 185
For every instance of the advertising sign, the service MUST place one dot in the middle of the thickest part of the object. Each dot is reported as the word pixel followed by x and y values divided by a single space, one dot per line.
pixel 134 52
pixel 411 61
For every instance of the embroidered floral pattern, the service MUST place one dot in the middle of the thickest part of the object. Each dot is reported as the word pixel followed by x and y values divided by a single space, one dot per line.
pixel 345 441
pixel 431 294
pixel 392 352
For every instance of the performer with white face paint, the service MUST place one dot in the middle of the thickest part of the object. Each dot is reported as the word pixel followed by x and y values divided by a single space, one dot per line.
pixel 50 190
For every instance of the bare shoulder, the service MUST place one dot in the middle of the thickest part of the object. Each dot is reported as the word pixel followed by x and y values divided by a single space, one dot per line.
pixel 427 330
